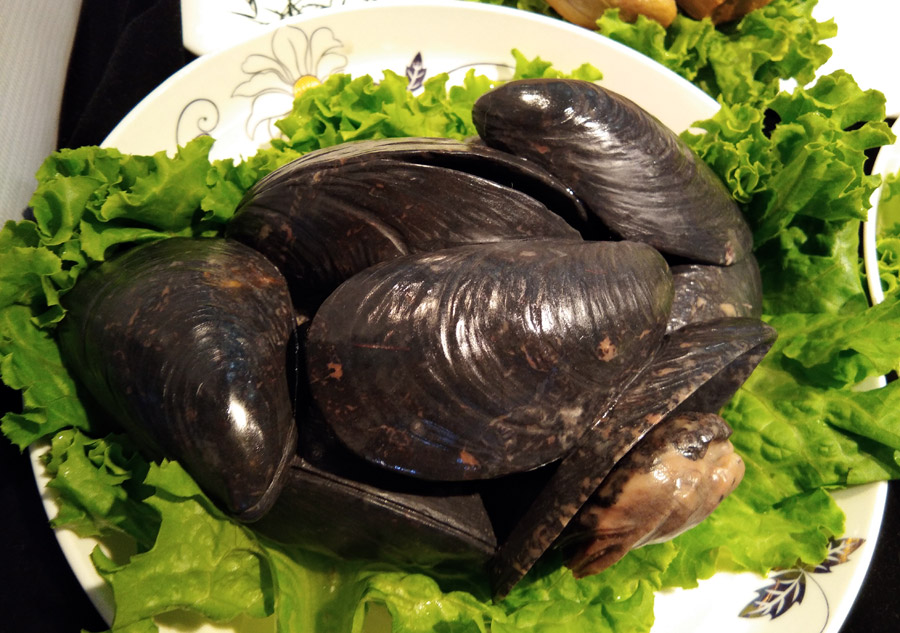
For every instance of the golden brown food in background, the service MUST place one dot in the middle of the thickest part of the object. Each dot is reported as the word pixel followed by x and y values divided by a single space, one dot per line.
pixel 720 10
pixel 586 12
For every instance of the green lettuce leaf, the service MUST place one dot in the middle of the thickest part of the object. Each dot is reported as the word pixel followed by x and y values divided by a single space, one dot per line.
pixel 740 63
pixel 313 592
pixel 99 488
pixel 417 604
pixel 799 437
pixel 801 184
pixel 888 224
pixel 30 362
pixel 200 561
pixel 346 109
pixel 683 47
pixel 888 236
pixel 839 351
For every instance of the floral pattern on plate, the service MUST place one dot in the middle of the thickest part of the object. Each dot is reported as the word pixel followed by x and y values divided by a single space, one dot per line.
pixel 271 11
pixel 788 587
pixel 295 60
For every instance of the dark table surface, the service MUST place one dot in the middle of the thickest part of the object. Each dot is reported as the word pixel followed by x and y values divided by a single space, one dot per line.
pixel 108 75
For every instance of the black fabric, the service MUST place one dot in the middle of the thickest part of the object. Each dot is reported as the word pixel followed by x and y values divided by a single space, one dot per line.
pixel 123 50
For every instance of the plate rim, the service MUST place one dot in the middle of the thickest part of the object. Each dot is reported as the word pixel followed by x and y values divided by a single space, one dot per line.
pixel 390 5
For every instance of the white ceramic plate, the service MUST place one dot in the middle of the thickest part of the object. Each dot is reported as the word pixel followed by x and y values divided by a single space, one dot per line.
pixel 236 94
pixel 864 48
pixel 887 162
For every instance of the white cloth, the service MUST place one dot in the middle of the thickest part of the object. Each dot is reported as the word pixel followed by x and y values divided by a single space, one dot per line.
pixel 35 45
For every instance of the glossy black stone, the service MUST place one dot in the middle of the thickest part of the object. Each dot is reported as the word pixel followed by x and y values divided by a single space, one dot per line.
pixel 335 212
pixel 626 167
pixel 707 292
pixel 183 343
pixel 485 360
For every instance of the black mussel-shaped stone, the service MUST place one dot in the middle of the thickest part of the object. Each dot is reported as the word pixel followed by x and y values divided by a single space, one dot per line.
pixel 671 481
pixel 488 359
pixel 626 166
pixel 676 380
pixel 710 292
pixel 334 212
pixel 325 511
pixel 335 501
pixel 184 343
